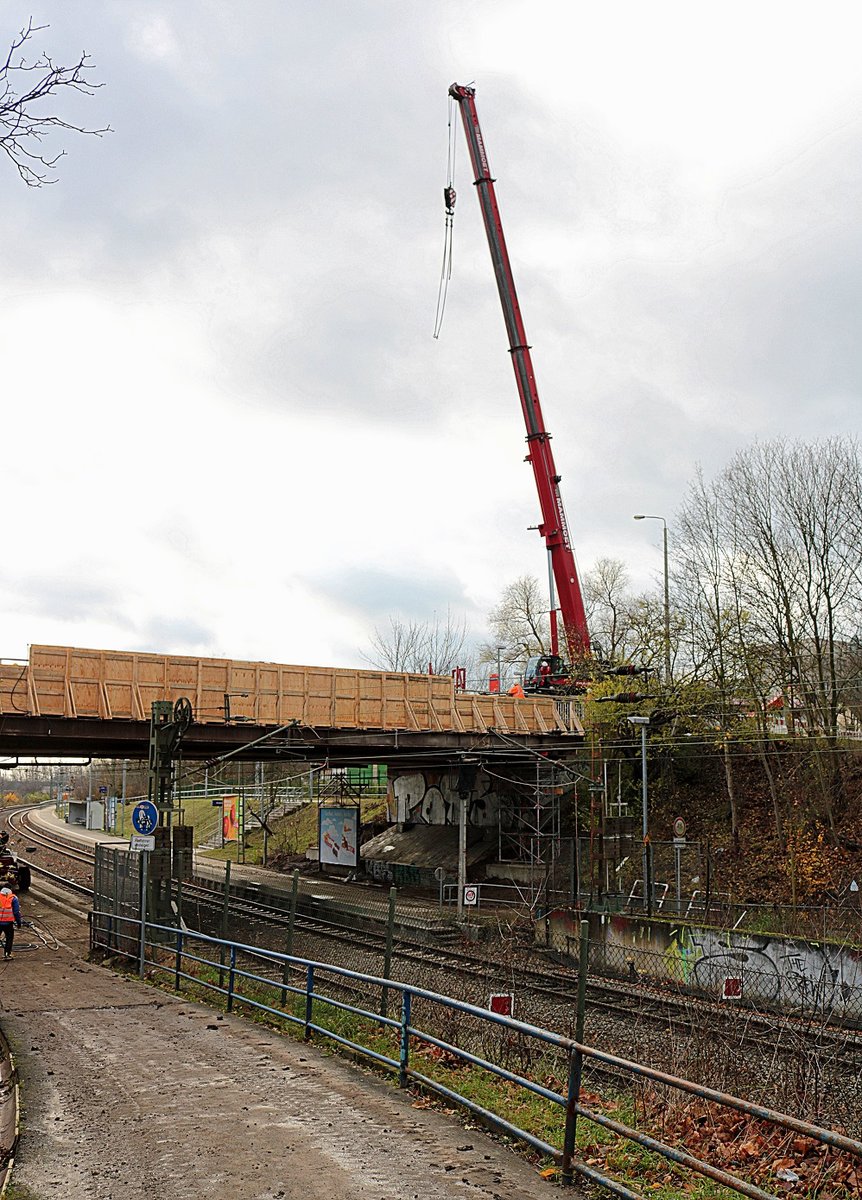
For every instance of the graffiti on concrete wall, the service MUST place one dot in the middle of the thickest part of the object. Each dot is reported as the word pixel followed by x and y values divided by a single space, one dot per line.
pixel 431 798
pixel 788 973
pixel 399 874
pixel 808 976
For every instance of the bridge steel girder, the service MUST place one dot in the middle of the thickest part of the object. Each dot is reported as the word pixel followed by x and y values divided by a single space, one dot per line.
pixel 81 737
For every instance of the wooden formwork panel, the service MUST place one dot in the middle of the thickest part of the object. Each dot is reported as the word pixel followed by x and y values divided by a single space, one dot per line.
pixel 14 683
pixel 70 682
pixel 48 676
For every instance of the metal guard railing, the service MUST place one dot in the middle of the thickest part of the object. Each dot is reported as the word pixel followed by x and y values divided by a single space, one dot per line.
pixel 106 933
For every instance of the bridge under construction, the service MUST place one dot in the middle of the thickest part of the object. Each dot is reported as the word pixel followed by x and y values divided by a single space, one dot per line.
pixel 63 701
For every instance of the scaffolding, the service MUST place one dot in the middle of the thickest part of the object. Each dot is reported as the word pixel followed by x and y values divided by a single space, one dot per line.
pixel 529 830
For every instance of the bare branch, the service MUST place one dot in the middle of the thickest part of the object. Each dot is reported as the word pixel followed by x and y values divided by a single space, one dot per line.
pixel 24 86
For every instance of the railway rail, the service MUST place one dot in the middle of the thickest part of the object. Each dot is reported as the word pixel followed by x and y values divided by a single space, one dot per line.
pixel 669 1011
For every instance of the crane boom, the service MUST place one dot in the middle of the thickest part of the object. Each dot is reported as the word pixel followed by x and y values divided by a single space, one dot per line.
pixel 554 527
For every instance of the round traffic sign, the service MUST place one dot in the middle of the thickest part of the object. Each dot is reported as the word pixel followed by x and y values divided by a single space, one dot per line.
pixel 679 828
pixel 471 895
pixel 145 816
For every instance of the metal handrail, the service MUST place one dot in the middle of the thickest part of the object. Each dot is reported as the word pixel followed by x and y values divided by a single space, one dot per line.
pixel 106 925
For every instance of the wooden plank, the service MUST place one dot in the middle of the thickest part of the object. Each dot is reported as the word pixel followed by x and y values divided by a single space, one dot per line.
pixel 499 720
pixel 521 722
pixel 14 689
pixel 67 681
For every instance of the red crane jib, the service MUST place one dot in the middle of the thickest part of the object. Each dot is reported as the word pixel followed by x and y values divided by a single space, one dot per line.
pixel 554 528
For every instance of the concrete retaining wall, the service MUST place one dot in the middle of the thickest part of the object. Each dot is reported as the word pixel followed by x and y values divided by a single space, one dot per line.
pixel 762 970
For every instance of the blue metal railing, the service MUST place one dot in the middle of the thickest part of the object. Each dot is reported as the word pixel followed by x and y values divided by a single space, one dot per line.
pixel 172 952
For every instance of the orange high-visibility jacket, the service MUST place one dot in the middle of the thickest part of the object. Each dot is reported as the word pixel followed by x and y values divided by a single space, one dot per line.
pixel 7 908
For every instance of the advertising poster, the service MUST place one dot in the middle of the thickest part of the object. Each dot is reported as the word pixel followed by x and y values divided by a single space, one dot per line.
pixel 230 819
pixel 339 836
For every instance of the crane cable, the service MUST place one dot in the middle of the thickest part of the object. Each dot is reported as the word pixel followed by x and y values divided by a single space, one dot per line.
pixel 449 201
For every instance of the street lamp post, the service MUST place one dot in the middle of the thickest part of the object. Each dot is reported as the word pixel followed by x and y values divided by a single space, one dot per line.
pixel 643 722
pixel 500 650
pixel 650 517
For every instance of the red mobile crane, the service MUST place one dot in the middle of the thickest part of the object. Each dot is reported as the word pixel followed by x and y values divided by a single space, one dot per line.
pixel 554 528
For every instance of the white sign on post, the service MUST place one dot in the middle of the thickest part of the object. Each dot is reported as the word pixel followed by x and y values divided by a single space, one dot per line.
pixel 471 895
pixel 142 841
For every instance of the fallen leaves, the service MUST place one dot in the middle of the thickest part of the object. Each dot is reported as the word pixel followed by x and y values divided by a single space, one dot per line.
pixel 747 1147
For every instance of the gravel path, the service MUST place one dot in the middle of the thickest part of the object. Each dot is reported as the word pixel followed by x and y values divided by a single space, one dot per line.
pixel 129 1093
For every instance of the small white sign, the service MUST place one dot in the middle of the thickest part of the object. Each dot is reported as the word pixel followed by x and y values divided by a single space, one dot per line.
pixel 142 841
pixel 731 988
pixel 471 895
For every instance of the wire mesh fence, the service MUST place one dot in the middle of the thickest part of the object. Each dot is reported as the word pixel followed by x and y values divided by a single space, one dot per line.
pixel 611 875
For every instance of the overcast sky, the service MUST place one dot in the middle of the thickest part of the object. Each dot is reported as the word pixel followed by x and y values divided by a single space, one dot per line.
pixel 228 429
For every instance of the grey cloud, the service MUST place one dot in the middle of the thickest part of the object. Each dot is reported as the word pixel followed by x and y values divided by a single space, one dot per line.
pixel 267 185
pixel 314 194
pixel 376 594
pixel 179 635
pixel 67 599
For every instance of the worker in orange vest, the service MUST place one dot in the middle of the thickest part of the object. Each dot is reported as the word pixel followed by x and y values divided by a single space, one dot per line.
pixel 10 916
pixel 517 691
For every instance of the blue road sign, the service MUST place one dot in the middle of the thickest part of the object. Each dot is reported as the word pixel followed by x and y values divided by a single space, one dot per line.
pixel 145 817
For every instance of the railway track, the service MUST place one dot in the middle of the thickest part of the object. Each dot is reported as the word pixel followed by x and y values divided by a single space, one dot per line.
pixel 633 1002
pixel 630 1001
pixel 17 822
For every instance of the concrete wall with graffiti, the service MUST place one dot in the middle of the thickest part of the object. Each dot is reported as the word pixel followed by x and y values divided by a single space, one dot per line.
pixel 431 798
pixel 399 874
pixel 756 969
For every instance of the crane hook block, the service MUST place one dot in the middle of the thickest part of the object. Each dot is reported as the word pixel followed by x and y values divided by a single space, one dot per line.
pixel 449 200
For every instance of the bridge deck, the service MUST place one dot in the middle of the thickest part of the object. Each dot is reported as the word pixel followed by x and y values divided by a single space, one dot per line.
pixel 66 701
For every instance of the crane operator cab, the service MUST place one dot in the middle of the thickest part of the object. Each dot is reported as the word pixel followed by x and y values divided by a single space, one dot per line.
pixel 545 672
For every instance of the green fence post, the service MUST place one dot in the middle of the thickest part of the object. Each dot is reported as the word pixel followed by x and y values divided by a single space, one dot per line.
pixel 387 958
pixel 180 868
pixel 583 971
pixel 224 914
pixel 404 1041
pixel 309 1000
pixel 288 947
pixel 294 899
pixel 231 978
pixel 115 905
pixel 179 960
pixel 576 1056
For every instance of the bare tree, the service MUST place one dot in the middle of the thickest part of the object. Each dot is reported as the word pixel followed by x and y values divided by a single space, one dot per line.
pixel 701 597
pixel 770 553
pixel 25 86
pixel 519 624
pixel 420 646
pixel 607 600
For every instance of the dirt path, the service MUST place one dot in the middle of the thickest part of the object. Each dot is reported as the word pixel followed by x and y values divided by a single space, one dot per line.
pixel 130 1093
